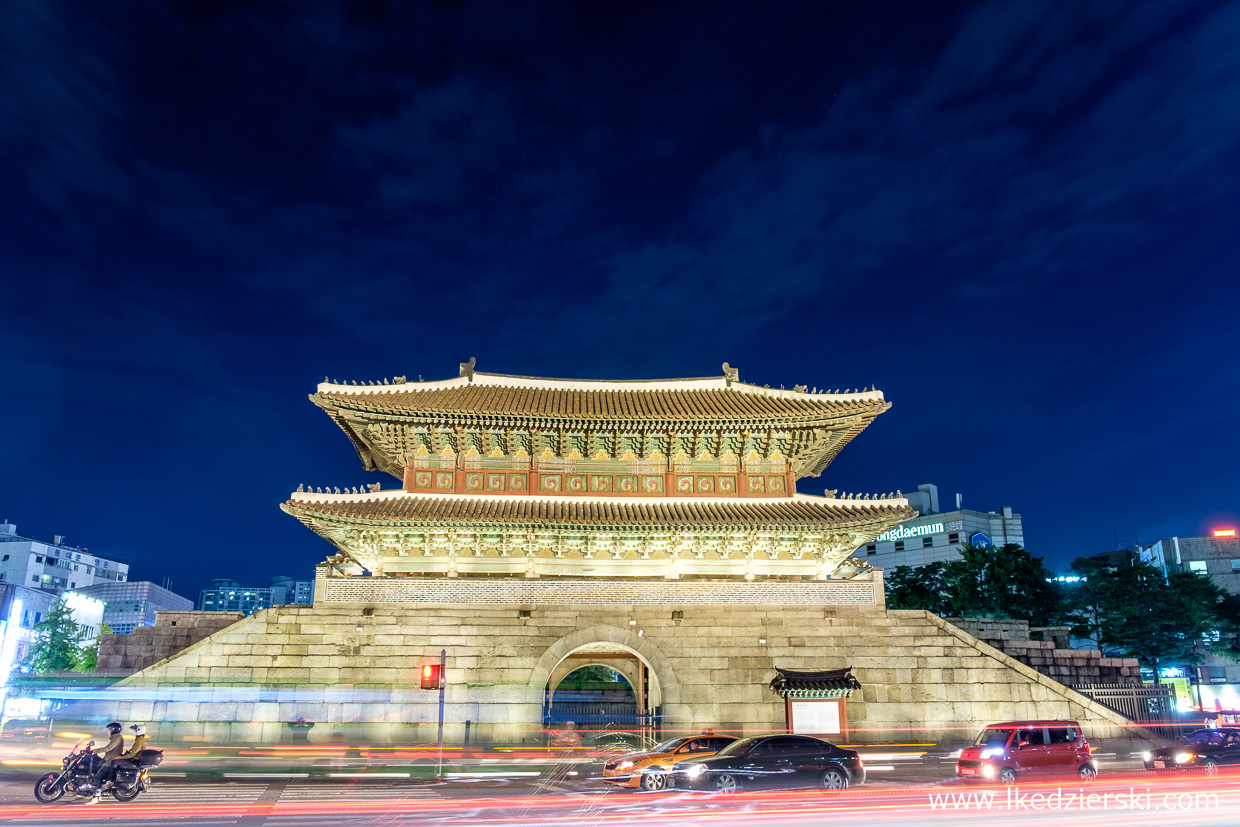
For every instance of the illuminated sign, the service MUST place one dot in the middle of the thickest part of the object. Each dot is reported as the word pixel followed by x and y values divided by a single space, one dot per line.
pixel 1170 672
pixel 980 540
pixel 1224 532
pixel 902 531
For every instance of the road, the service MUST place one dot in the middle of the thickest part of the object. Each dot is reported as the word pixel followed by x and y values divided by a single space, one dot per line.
pixel 914 791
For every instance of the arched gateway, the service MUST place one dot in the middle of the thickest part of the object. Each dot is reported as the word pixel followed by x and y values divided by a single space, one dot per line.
pixel 538 521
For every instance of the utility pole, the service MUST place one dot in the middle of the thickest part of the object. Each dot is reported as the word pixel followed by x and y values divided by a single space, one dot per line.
pixel 443 682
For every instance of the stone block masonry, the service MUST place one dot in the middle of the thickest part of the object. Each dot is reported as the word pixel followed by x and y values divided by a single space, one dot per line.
pixel 147 645
pixel 353 667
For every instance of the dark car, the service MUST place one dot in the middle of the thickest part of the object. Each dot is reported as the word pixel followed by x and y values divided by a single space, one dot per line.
pixel 772 761
pixel 1204 750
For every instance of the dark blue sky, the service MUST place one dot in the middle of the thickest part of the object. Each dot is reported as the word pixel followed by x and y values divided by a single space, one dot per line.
pixel 1018 219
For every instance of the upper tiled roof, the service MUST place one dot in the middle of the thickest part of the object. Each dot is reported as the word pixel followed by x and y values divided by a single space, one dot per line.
pixel 498 396
pixel 405 507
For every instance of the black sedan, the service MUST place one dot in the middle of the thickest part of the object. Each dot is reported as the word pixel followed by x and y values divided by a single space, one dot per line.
pixel 1204 750
pixel 772 761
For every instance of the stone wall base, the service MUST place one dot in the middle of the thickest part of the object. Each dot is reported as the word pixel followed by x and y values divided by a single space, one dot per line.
pixel 353 669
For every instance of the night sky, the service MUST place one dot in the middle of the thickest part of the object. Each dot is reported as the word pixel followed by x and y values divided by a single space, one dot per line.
pixel 1017 219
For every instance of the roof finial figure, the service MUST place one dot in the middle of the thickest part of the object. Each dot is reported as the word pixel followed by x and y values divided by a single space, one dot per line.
pixel 730 374
pixel 373 487
pixel 299 489
pixel 467 368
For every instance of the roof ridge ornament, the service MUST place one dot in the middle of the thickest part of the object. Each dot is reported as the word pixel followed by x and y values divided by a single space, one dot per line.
pixel 467 368
pixel 730 375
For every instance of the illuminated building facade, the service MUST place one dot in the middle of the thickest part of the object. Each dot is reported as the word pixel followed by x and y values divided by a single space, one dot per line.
pixel 936 536
pixel 132 604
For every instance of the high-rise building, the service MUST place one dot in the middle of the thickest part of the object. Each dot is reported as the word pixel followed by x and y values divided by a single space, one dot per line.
pixel 227 595
pixel 133 603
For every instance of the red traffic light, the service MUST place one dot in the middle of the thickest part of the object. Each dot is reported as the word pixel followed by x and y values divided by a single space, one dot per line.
pixel 432 676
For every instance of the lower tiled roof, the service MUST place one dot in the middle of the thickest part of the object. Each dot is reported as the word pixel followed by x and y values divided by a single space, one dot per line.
pixel 615 512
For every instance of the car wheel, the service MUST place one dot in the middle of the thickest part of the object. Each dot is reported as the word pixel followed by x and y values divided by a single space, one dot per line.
pixel 654 781
pixel 1087 772
pixel 1007 775
pixel 1210 767
pixel 834 779
pixel 727 783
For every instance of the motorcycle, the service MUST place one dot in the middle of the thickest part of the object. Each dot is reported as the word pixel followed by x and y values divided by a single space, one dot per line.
pixel 78 770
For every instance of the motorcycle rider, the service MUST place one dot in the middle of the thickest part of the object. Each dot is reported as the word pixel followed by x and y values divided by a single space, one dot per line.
pixel 115 746
pixel 108 770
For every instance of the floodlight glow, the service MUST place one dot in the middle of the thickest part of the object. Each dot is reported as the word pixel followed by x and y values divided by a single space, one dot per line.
pixel 8 639
pixel 1224 532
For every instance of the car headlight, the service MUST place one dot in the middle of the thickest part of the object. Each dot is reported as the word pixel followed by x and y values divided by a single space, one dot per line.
pixel 1184 758
pixel 696 770
pixel 988 771
pixel 624 765
pixel 1145 756
pixel 991 753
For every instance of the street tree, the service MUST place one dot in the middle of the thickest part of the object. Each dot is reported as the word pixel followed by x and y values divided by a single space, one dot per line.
pixel 89 659
pixel 1002 582
pixel 918 587
pixel 1135 611
pixel 999 582
pixel 57 642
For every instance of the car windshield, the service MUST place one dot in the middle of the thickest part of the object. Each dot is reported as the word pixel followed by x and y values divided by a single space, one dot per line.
pixel 1204 738
pixel 737 747
pixel 667 745
pixel 993 738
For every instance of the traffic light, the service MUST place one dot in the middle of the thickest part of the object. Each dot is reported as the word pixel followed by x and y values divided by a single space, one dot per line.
pixel 432 676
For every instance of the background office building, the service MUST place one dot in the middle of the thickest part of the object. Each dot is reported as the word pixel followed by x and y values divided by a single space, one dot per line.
pixel 230 596
pixel 53 567
pixel 130 604
pixel 935 536
pixel 22 609
pixel 1218 557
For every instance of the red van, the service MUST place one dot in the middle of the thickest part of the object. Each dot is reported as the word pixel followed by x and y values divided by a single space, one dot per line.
pixel 1008 751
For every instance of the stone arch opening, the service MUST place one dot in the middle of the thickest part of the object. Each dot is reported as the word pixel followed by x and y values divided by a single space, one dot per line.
pixel 642 667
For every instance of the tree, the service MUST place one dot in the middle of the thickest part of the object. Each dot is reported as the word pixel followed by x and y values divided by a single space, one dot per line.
pixel 1005 582
pixel 1228 612
pixel 1135 611
pixel 89 660
pixel 57 642
pixel 918 587
pixel 1087 601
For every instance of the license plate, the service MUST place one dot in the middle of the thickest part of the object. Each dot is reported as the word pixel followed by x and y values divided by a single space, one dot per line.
pixel 966 771
pixel 1160 765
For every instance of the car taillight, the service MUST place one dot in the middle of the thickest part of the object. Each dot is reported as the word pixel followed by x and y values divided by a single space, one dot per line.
pixel 860 763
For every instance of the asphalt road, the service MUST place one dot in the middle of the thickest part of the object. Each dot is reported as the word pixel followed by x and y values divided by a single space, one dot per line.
pixel 916 790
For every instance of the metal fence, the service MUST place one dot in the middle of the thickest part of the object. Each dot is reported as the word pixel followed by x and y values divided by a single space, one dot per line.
pixel 1152 707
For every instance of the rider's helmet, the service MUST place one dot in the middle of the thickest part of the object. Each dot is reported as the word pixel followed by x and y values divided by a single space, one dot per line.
pixel 138 729
pixel 114 727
